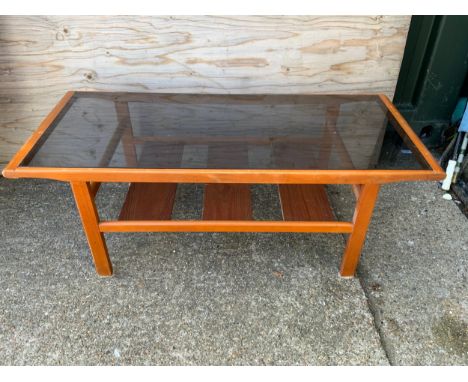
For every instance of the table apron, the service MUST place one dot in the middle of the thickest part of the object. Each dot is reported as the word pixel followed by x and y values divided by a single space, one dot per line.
pixel 252 176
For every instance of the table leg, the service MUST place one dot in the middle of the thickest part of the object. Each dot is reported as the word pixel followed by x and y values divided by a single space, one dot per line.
pixel 361 219
pixel 90 219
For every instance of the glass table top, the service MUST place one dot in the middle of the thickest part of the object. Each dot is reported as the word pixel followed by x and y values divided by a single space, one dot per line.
pixel 143 130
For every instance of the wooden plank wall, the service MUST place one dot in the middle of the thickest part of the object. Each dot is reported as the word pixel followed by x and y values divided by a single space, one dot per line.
pixel 42 57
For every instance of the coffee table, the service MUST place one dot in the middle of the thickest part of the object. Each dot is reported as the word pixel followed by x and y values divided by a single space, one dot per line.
pixel 227 142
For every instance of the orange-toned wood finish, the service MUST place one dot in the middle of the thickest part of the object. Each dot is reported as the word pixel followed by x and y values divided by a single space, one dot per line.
pixel 14 170
pixel 149 201
pixel 224 176
pixel 45 124
pixel 94 188
pixel 90 219
pixel 227 202
pixel 414 139
pixel 227 207
pixel 224 226
pixel 305 202
pixel 356 190
pixel 361 220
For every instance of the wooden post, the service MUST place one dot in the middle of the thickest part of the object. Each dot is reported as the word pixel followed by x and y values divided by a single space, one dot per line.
pixel 90 219
pixel 361 219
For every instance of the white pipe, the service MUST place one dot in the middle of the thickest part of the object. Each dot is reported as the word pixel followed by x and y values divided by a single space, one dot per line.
pixel 448 179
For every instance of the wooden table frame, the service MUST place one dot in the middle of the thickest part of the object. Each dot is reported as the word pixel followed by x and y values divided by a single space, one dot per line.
pixel 85 183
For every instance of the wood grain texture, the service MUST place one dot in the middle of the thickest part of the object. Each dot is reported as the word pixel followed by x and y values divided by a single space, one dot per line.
pixel 223 226
pixel 227 202
pixel 361 219
pixel 43 57
pixel 90 220
pixel 149 201
pixel 224 176
pixel 303 202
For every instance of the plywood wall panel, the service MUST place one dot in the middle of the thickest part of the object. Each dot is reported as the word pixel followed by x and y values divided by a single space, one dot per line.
pixel 43 57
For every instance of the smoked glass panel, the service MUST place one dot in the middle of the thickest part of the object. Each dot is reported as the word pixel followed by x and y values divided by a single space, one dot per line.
pixel 135 130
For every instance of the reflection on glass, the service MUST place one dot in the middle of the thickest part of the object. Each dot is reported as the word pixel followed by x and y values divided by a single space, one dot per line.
pixel 130 130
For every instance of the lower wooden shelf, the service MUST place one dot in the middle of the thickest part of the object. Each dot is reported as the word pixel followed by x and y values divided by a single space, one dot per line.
pixel 305 202
pixel 226 208
pixel 149 201
pixel 227 202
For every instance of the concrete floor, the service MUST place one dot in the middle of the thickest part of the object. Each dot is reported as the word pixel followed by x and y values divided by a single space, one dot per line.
pixel 236 299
